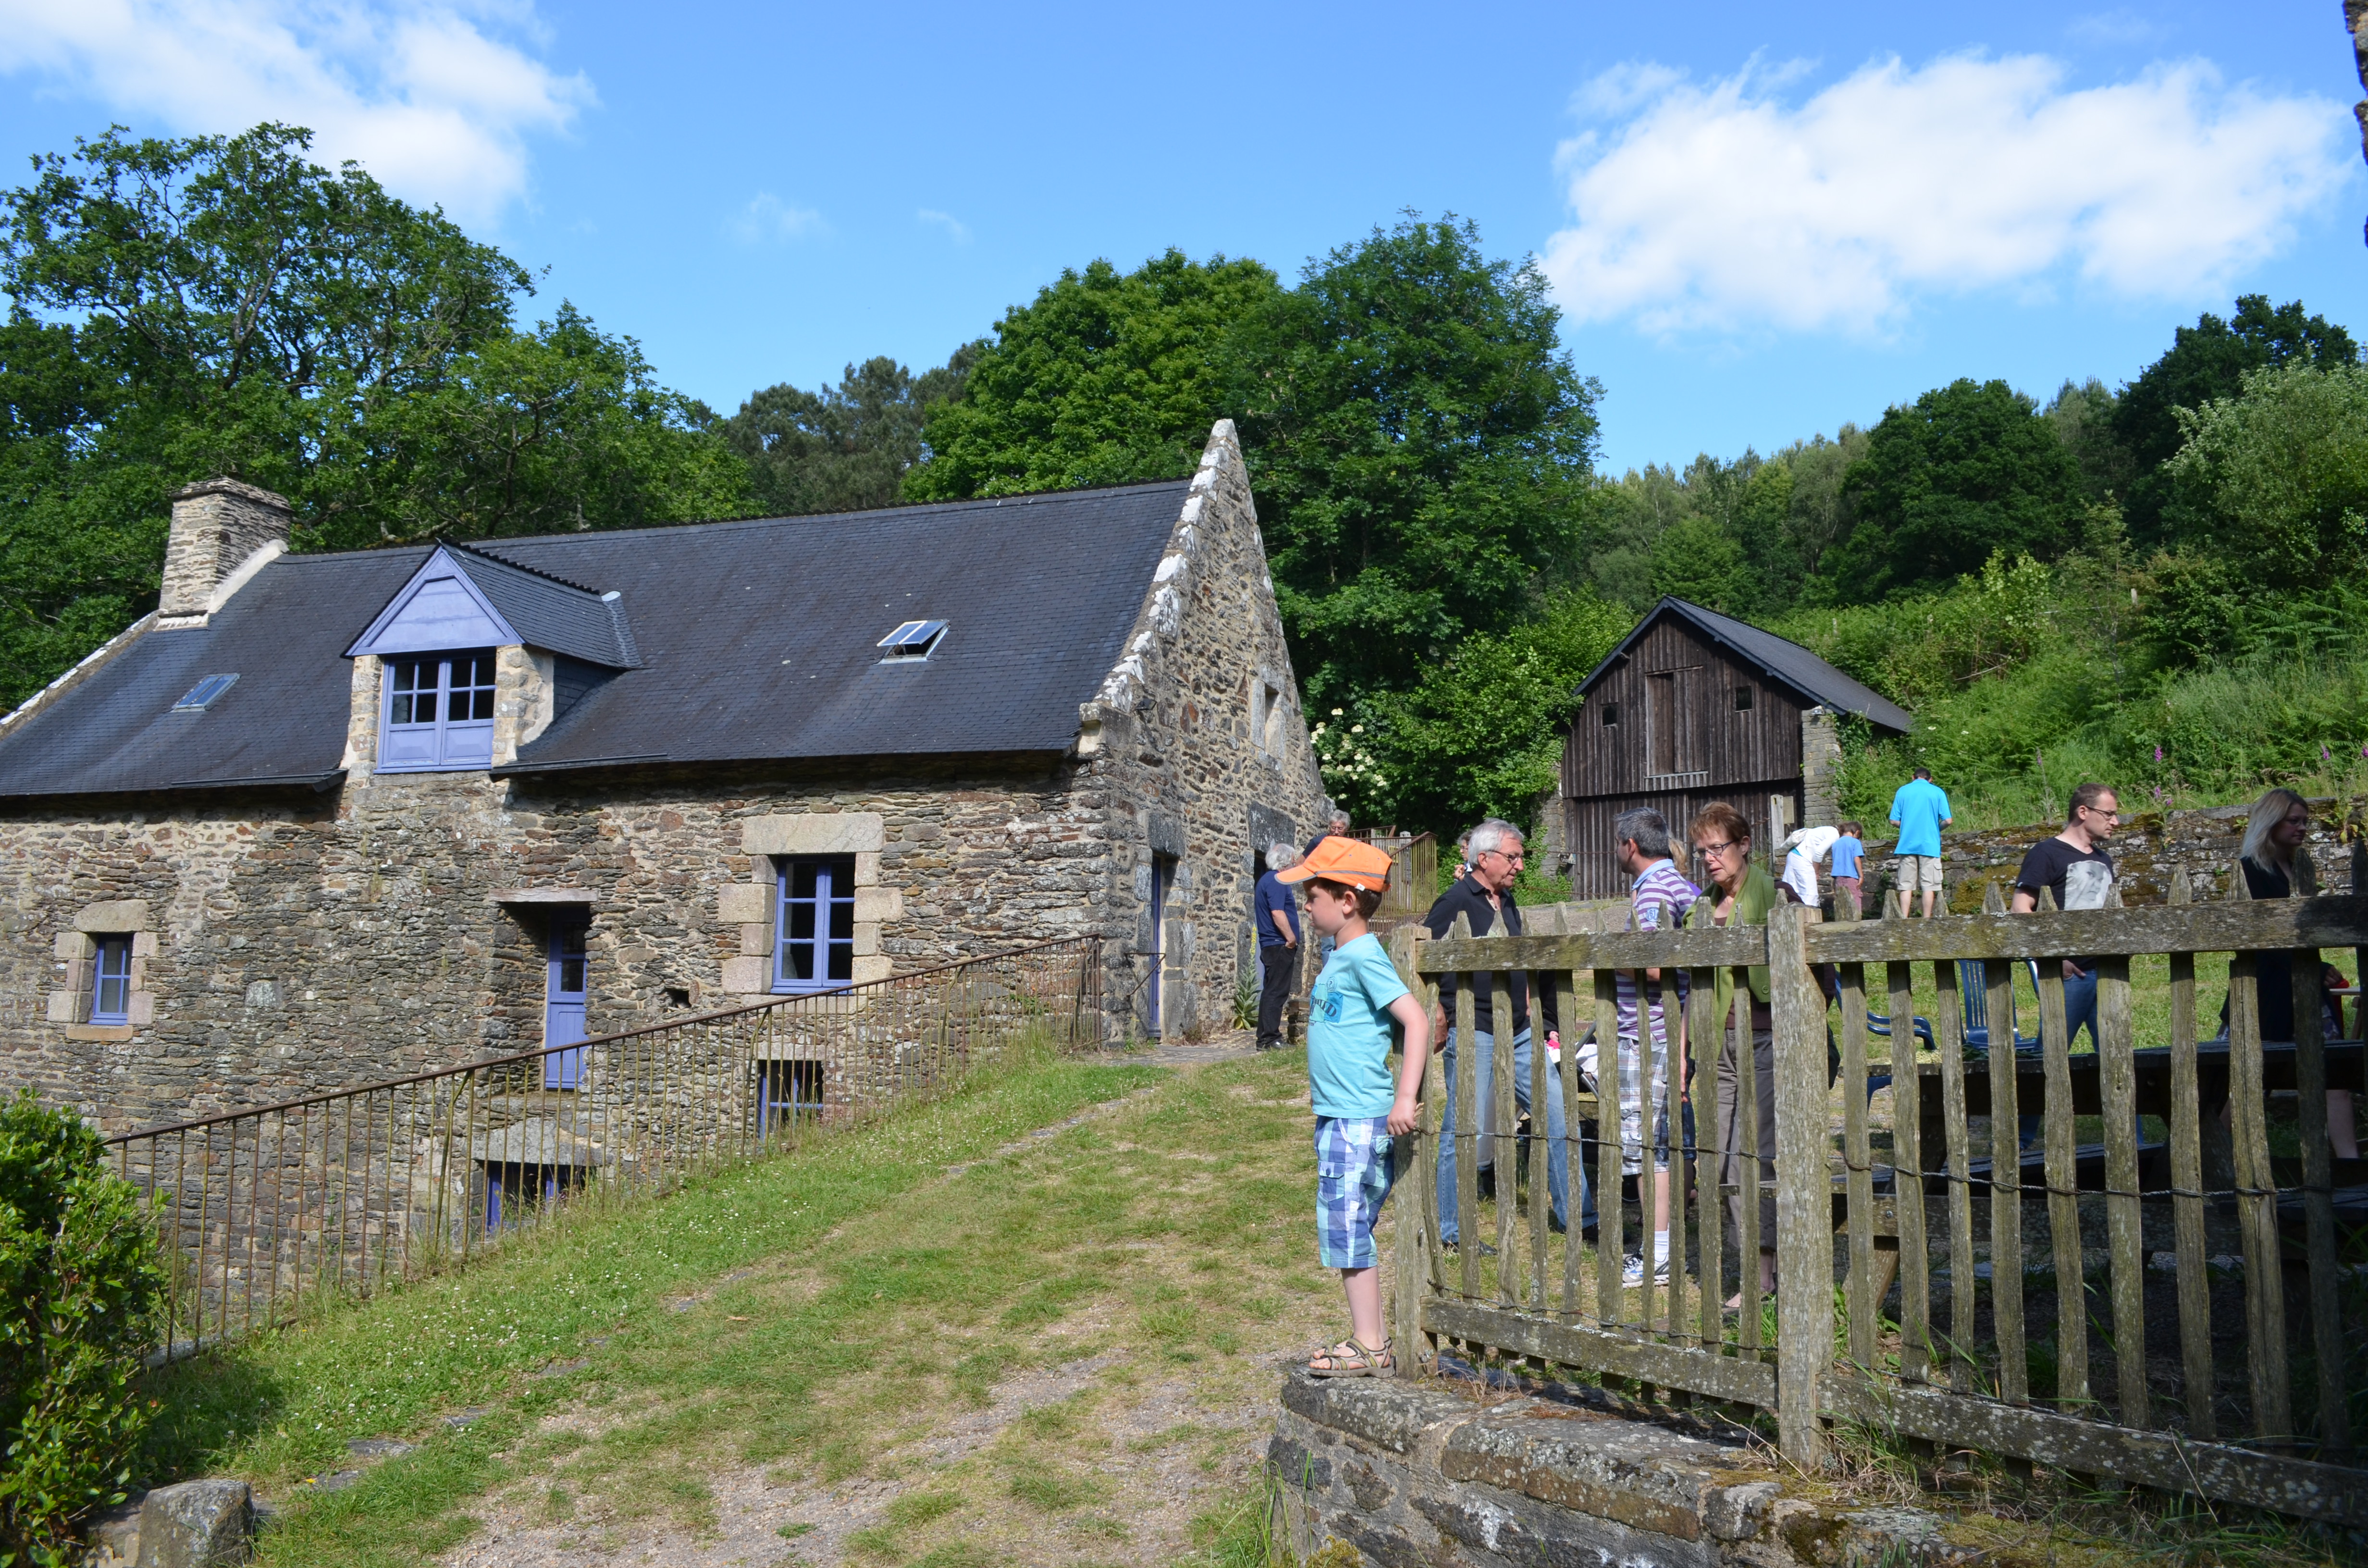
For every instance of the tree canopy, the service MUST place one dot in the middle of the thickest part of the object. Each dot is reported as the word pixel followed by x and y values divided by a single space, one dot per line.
pixel 2273 483
pixel 1108 377
pixel 844 447
pixel 2206 362
pixel 1421 447
pixel 179 309
pixel 1966 470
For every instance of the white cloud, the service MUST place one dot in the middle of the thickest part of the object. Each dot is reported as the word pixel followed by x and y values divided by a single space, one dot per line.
pixel 1722 208
pixel 767 217
pixel 435 98
pixel 948 221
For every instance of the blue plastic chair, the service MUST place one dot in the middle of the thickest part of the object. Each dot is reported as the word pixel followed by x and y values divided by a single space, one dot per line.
pixel 1972 985
pixel 1877 1024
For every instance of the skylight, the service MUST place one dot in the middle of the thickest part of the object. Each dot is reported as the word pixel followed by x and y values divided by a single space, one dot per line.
pixel 914 640
pixel 202 696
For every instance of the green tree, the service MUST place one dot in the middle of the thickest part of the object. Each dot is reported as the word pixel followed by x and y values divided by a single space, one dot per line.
pixel 1420 446
pixel 845 447
pixel 1479 736
pixel 1700 560
pixel 2274 482
pixel 1820 511
pixel 183 308
pixel 1965 472
pixel 1106 379
pixel 2206 362
pixel 2083 416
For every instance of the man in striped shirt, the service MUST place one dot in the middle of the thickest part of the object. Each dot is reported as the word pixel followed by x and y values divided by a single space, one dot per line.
pixel 1657 900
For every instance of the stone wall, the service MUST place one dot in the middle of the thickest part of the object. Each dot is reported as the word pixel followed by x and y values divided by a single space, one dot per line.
pixel 291 942
pixel 1455 1472
pixel 2146 847
pixel 1196 729
pixel 1821 761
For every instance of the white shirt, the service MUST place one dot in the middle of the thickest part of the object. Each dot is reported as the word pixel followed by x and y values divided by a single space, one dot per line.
pixel 1804 848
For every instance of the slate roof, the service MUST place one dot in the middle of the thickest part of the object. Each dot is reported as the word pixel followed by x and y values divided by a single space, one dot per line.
pixel 752 641
pixel 1786 663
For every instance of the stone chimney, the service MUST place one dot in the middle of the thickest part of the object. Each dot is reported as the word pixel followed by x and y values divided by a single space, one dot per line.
pixel 219 524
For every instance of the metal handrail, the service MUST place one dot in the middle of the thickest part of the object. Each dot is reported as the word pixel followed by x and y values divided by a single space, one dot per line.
pixel 540 1051
pixel 266 1208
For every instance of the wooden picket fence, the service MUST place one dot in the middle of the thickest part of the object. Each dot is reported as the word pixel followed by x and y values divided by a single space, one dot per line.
pixel 1911 1247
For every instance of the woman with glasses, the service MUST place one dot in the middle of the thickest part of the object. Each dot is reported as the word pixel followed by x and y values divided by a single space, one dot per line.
pixel 1740 893
pixel 2279 823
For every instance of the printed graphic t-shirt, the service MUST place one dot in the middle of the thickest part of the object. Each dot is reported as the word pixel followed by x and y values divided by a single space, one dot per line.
pixel 1348 1030
pixel 2078 879
pixel 1847 850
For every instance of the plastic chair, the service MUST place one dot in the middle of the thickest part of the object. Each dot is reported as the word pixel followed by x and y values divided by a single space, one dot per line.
pixel 1877 1024
pixel 1972 985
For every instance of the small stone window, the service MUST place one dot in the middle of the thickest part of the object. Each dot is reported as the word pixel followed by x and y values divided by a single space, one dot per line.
pixel 1743 698
pixel 110 979
pixel 813 925
pixel 437 715
pixel 1611 715
pixel 1266 715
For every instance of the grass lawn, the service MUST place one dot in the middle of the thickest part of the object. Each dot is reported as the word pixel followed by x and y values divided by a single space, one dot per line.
pixel 1064 1351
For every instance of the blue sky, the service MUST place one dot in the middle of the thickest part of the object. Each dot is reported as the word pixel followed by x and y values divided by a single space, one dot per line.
pixel 1762 221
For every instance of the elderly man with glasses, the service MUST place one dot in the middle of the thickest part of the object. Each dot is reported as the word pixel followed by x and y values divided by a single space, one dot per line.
pixel 1484 897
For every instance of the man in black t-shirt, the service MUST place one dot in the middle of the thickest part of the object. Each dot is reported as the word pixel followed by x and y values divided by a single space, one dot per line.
pixel 2074 867
pixel 1485 898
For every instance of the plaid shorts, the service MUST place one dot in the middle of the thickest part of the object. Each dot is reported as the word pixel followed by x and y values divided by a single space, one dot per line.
pixel 1352 1178
pixel 1632 1108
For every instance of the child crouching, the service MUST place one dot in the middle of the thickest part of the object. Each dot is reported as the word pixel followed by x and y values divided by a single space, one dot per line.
pixel 1356 1000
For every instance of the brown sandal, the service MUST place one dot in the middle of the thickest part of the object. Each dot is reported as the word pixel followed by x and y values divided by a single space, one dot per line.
pixel 1352 1358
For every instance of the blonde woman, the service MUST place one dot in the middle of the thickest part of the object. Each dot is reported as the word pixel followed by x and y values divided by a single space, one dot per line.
pixel 2276 829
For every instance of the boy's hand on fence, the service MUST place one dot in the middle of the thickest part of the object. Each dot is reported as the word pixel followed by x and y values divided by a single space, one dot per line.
pixel 1404 1116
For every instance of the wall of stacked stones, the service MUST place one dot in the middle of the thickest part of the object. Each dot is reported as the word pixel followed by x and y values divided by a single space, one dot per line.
pixel 1196 748
pixel 2146 847
pixel 294 945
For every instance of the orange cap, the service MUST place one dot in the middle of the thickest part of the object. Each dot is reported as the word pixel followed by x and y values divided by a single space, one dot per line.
pixel 1338 860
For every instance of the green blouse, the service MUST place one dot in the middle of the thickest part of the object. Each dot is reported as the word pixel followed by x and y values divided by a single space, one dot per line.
pixel 1753 900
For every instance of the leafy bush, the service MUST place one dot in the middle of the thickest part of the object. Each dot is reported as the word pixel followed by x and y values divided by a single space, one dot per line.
pixel 79 1286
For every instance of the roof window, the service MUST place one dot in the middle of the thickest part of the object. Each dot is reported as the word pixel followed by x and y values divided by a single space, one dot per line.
pixel 202 696
pixel 914 640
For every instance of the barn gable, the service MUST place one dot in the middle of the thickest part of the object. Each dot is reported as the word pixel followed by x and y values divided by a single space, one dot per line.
pixel 1695 706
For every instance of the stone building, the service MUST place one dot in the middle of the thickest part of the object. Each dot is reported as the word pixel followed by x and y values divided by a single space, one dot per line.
pixel 1695 706
pixel 323 820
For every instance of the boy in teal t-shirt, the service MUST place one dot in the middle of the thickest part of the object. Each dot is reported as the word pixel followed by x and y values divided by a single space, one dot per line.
pixel 1355 1001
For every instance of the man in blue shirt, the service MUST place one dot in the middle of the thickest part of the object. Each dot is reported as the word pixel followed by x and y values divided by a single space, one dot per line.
pixel 1277 934
pixel 1920 810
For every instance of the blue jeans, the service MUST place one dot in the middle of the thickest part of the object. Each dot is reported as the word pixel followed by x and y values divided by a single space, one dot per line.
pixel 2079 1013
pixel 1558 1150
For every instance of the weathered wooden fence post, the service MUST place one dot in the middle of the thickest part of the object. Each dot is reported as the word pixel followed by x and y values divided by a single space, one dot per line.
pixel 1804 1243
pixel 1412 1223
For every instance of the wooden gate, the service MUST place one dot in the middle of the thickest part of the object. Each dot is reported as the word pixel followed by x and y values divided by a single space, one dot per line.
pixel 1947 1227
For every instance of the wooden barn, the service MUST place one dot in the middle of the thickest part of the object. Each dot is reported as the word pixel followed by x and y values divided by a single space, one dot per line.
pixel 1695 707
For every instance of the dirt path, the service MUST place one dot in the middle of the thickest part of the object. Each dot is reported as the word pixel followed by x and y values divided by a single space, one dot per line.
pixel 1137 1401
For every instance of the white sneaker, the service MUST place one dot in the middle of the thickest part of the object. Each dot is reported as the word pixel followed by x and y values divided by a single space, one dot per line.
pixel 1632 1271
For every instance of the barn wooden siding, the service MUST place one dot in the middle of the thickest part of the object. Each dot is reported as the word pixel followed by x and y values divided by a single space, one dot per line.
pixel 1681 741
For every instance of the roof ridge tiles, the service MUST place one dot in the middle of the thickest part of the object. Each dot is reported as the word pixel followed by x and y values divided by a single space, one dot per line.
pixel 467 549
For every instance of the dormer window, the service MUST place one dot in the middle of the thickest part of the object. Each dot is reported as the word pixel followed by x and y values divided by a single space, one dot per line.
pixel 914 640
pixel 438 713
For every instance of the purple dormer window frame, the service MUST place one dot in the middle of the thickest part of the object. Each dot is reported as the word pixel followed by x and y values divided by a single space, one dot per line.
pixel 436 712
